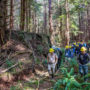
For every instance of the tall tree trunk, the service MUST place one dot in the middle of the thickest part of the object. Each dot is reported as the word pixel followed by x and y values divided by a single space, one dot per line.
pixel 88 21
pixel 30 26
pixel 45 17
pixel 35 22
pixel 11 17
pixel 11 14
pixel 22 23
pixel 2 20
pixel 61 31
pixel 67 24
pixel 79 26
pixel 35 19
pixel 50 22
pixel 26 14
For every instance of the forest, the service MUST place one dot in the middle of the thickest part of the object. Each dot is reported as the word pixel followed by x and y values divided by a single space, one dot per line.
pixel 33 32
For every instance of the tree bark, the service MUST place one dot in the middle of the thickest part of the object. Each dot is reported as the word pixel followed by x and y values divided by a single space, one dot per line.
pixel 11 14
pixel 88 21
pixel 67 24
pixel 2 20
pixel 30 14
pixel 45 17
pixel 50 22
pixel 11 17
pixel 22 23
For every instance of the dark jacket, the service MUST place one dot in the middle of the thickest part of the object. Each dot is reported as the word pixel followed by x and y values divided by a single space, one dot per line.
pixel 58 52
pixel 83 58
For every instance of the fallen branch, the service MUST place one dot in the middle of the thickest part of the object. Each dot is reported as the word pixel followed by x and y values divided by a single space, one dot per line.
pixel 9 68
pixel 17 53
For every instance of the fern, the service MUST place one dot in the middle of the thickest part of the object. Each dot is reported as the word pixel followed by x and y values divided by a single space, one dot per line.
pixel 68 81
pixel 9 63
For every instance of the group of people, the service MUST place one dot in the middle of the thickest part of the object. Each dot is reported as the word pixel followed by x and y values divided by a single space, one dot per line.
pixel 74 49
pixel 78 49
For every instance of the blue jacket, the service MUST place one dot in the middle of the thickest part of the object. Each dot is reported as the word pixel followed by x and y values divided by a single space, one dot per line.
pixel 83 58
pixel 67 53
pixel 72 53
pixel 80 45
pixel 85 45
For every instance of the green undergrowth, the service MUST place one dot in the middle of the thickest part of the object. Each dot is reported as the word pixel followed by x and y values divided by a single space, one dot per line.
pixel 70 80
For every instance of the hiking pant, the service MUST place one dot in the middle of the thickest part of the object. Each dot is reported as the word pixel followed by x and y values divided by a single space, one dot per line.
pixel 51 68
pixel 83 70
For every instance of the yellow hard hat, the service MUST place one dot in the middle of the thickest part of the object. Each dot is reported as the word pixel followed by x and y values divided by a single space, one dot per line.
pixel 74 43
pixel 66 46
pixel 83 49
pixel 51 50
pixel 77 45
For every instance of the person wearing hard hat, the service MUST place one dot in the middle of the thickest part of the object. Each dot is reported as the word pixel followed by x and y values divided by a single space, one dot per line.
pixel 80 45
pixel 71 52
pixel 88 47
pixel 52 61
pixel 83 61
pixel 58 52
pixel 74 44
pixel 77 50
pixel 74 47
pixel 67 53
